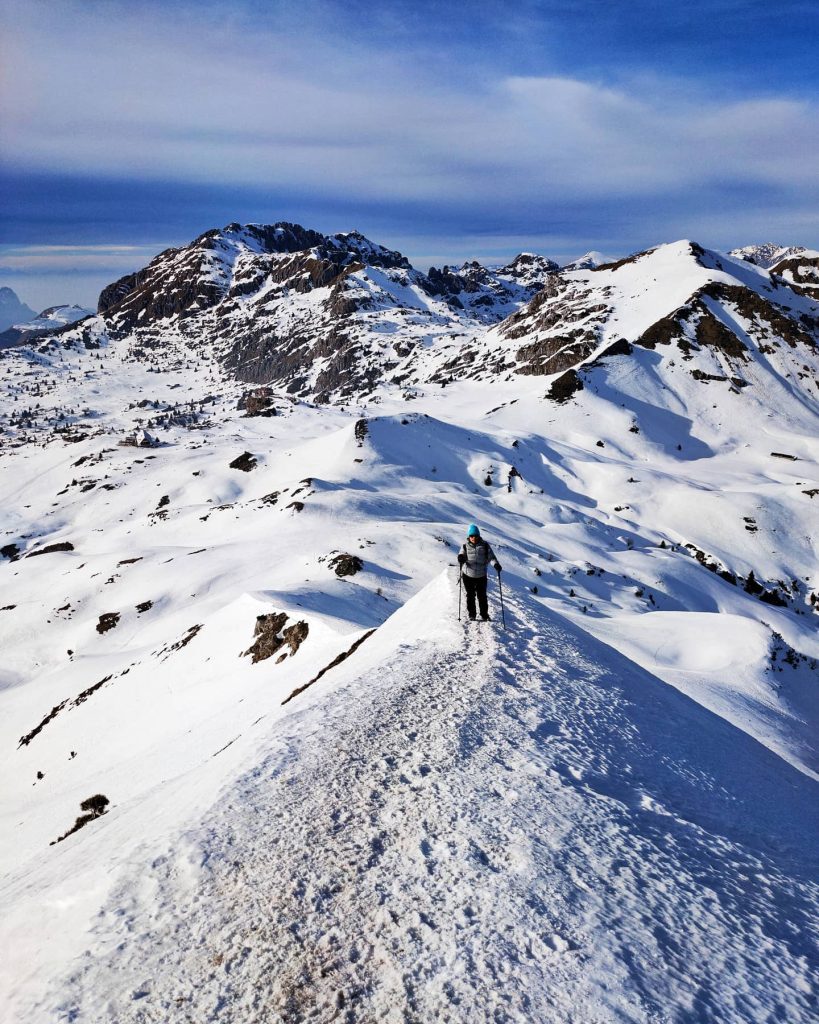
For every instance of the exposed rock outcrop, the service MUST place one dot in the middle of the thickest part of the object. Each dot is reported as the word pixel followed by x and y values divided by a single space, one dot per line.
pixel 271 636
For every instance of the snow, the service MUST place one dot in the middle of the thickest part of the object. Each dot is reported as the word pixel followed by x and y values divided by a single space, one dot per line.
pixel 768 254
pixel 501 827
pixel 588 261
pixel 606 811
pixel 639 302
pixel 54 317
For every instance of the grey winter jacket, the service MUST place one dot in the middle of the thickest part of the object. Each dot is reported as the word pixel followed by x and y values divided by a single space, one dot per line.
pixel 478 557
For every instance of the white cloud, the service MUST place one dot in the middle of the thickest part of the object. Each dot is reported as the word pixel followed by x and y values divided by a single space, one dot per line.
pixel 167 97
pixel 51 259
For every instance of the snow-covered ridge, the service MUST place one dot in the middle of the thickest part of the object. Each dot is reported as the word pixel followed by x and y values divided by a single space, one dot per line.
pixel 53 318
pixel 50 320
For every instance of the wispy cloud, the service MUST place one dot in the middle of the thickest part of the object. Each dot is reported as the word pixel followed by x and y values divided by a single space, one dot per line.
pixel 169 97
pixel 81 259
pixel 446 131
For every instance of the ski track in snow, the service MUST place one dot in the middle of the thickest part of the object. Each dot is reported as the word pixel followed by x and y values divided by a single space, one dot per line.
pixel 478 834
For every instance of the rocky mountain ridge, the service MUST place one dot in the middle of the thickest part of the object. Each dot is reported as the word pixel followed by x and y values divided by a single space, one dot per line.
pixel 329 316
pixel 334 317
pixel 768 254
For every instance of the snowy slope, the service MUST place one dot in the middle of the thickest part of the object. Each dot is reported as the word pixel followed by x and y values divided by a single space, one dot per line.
pixel 476 828
pixel 55 317
pixel 605 812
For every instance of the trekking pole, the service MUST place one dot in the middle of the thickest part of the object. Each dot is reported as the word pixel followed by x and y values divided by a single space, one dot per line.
pixel 459 593
pixel 500 591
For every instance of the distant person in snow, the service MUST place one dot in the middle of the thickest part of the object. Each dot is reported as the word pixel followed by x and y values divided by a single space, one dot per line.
pixel 474 557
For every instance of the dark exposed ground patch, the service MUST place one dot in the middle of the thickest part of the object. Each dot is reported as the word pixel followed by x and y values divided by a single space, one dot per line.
pixel 663 332
pixel 94 807
pixel 345 564
pixel 64 545
pixel 270 636
pixel 565 386
pixel 257 402
pixel 108 620
pixel 245 462
pixel 712 333
pixel 79 699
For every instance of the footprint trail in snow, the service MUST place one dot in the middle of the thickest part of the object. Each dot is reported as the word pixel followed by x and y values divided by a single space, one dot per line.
pixel 502 831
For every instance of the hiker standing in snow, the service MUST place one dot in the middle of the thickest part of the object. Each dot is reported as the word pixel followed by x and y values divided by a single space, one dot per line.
pixel 474 557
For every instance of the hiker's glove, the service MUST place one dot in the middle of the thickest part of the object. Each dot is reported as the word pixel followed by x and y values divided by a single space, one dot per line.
pixel 498 567
pixel 461 559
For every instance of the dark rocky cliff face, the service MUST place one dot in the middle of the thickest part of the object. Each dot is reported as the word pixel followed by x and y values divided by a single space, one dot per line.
pixel 800 273
pixel 473 285
pixel 233 262
pixel 569 314
pixel 197 275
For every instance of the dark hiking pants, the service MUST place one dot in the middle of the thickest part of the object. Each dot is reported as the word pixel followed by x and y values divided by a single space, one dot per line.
pixel 473 586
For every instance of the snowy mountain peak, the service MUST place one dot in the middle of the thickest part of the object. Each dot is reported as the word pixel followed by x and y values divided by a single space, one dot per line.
pixel 688 304
pixel 370 253
pixel 589 261
pixel 768 254
pixel 49 321
pixel 335 317
pixel 528 269
pixel 12 310
pixel 55 316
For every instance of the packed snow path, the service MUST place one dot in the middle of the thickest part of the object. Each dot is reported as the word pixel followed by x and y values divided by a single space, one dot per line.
pixel 489 826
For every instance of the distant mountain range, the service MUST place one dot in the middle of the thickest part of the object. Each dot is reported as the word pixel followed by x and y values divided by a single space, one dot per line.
pixel 333 317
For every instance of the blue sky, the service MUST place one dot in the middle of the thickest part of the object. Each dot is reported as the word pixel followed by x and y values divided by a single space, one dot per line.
pixel 447 130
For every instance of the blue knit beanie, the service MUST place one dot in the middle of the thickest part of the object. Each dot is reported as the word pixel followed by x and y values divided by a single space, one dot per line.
pixel 473 531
